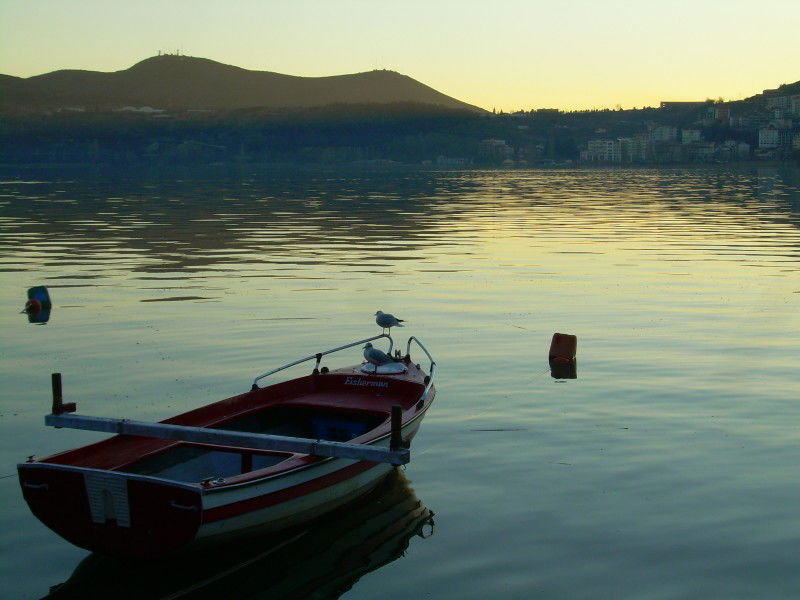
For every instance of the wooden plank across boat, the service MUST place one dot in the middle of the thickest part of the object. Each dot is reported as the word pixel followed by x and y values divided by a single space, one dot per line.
pixel 264 460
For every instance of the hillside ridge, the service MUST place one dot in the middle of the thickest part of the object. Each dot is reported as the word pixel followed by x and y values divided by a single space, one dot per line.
pixel 186 82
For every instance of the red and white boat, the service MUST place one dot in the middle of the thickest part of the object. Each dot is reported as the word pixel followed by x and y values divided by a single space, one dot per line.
pixel 264 460
pixel 322 559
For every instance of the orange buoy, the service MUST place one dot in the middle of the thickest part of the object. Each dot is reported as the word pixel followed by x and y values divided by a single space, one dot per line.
pixel 563 350
pixel 563 347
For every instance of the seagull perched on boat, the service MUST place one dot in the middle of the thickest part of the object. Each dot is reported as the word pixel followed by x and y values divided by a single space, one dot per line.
pixel 385 320
pixel 375 356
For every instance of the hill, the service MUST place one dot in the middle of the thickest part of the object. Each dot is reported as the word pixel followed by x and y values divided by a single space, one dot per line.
pixel 173 82
pixel 785 89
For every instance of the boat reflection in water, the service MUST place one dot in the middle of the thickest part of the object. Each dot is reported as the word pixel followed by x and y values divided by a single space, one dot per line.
pixel 323 559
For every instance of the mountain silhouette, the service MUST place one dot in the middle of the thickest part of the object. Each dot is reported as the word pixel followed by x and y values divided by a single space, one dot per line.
pixel 183 82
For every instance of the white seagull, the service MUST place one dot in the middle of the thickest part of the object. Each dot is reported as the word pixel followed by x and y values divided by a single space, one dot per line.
pixel 375 356
pixel 385 320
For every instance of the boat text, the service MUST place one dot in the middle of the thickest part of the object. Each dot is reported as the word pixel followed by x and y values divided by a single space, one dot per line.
pixel 365 382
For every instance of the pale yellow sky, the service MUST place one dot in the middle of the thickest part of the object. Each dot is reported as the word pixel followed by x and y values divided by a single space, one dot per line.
pixel 508 54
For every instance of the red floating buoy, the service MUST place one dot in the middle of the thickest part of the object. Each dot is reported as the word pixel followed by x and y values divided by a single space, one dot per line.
pixel 563 348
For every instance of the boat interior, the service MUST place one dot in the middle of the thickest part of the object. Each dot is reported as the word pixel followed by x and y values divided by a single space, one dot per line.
pixel 189 462
pixel 307 422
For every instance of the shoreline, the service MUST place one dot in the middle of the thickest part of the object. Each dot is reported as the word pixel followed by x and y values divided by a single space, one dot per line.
pixel 393 166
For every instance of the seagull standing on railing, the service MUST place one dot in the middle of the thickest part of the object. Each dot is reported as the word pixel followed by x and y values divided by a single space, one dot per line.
pixel 385 320
pixel 375 356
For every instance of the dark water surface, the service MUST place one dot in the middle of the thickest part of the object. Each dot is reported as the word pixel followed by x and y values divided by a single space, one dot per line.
pixel 667 469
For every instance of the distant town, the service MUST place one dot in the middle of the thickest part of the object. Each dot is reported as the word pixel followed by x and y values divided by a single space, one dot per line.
pixel 763 128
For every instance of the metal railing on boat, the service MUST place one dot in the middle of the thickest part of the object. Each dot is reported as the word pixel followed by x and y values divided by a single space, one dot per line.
pixel 431 370
pixel 318 356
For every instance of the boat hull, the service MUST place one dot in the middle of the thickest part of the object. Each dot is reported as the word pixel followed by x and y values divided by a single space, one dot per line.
pixel 154 518
pixel 322 560
pixel 282 502
pixel 126 514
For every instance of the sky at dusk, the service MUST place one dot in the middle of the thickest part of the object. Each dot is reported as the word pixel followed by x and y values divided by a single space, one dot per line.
pixel 507 54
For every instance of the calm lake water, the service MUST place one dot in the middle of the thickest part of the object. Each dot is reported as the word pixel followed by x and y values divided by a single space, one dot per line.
pixel 667 469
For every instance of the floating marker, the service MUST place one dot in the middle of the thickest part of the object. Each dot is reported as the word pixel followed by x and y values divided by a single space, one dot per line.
pixel 563 348
pixel 563 352
pixel 39 295
pixel 38 305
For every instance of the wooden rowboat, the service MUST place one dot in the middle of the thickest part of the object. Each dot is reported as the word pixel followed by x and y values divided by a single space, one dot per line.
pixel 265 460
